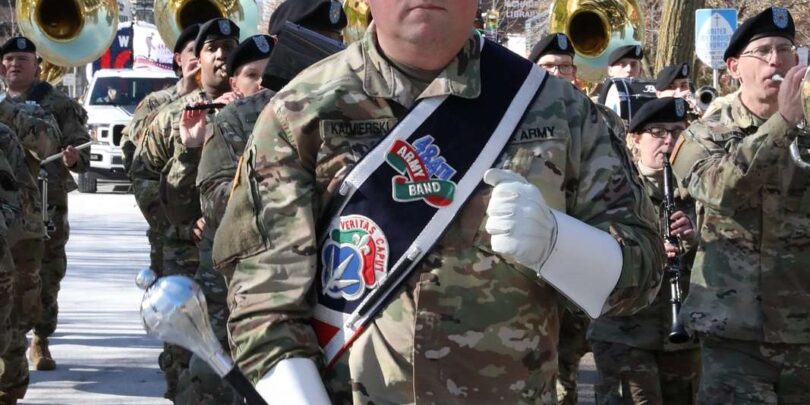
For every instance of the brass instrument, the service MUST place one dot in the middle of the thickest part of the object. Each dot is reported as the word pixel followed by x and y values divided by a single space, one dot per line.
pixel 704 96
pixel 358 16
pixel 68 32
pixel 795 149
pixel 173 16
pixel 596 28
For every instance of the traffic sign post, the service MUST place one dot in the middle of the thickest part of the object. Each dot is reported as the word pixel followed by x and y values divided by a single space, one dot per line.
pixel 713 30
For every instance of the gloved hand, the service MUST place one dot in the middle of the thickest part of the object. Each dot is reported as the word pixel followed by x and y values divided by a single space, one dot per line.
pixel 521 224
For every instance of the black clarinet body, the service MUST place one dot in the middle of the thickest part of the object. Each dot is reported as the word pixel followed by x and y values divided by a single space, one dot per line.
pixel 674 267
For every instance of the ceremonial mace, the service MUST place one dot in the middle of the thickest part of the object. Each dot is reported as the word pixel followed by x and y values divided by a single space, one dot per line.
pixel 174 310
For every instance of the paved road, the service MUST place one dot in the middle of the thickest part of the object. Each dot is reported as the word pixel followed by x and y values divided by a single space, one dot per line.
pixel 103 353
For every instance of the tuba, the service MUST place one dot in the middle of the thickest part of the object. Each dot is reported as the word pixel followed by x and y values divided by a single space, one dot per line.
pixel 173 16
pixel 358 16
pixel 68 32
pixel 596 28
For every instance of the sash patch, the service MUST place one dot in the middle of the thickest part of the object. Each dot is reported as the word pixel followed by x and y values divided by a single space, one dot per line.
pixel 340 128
pixel 354 258
pixel 424 173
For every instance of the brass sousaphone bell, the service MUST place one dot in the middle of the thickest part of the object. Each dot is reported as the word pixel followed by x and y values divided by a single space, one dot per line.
pixel 173 16
pixel 795 148
pixel 67 32
pixel 596 28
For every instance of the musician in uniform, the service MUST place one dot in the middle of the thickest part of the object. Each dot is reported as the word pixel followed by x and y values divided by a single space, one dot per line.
pixel 326 17
pixel 163 151
pixel 673 81
pixel 635 360
pixel 749 298
pixel 625 61
pixel 145 184
pixel 472 322
pixel 38 133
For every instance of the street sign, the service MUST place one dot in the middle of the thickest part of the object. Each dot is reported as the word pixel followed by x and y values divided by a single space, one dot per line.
pixel 713 30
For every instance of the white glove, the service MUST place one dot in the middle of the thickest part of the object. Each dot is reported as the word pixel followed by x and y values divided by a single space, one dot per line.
pixel 521 224
pixel 293 381
pixel 582 262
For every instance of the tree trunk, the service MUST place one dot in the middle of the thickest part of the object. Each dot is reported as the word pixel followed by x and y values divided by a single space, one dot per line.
pixel 676 34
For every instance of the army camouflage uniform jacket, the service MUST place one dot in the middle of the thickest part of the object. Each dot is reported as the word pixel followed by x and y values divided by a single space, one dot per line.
pixel 223 148
pixel 649 328
pixel 162 155
pixel 467 325
pixel 37 133
pixel 145 112
pixel 751 275
pixel 71 120
pixel 14 176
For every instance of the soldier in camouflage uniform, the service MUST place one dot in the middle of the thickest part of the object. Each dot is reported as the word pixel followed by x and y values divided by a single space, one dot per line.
pixel 163 152
pixel 635 361
pixel 71 119
pixel 37 132
pixel 432 342
pixel 555 54
pixel 12 166
pixel 749 297
pixel 145 184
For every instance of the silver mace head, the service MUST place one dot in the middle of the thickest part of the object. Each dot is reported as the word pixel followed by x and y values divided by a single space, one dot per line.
pixel 174 310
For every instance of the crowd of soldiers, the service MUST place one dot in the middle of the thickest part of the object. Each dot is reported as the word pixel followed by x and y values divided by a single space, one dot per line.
pixel 247 187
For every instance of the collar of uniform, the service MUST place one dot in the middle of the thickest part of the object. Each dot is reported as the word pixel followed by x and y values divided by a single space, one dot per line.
pixel 742 116
pixel 460 78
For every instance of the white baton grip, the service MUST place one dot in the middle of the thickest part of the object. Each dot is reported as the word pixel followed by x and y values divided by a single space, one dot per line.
pixel 293 381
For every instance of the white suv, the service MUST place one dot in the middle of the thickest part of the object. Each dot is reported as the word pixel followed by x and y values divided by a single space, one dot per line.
pixel 110 102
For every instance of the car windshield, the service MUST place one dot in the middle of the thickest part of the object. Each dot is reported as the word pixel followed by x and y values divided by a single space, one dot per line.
pixel 126 91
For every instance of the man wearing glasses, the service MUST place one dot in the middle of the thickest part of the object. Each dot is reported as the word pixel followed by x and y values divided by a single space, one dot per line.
pixel 749 298
pixel 555 54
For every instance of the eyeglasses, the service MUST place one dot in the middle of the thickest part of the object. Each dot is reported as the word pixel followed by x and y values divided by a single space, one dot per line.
pixel 764 52
pixel 564 68
pixel 661 133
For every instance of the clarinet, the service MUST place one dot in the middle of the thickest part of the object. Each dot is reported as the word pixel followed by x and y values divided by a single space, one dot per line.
pixel 674 268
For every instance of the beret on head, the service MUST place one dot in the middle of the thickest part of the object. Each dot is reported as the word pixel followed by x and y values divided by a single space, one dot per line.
pixel 218 28
pixel 556 44
pixel 773 22
pixel 188 34
pixel 626 51
pixel 254 48
pixel 322 15
pixel 18 44
pixel 664 109
pixel 668 74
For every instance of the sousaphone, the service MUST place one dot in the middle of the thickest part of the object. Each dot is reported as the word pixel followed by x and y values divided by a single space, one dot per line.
pixel 173 16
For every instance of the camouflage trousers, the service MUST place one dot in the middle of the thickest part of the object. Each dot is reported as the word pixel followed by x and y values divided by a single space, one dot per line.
pixel 6 298
pixel 573 345
pixel 180 257
pixel 147 196
pixel 629 375
pixel 741 372
pixel 206 387
pixel 54 266
pixel 27 309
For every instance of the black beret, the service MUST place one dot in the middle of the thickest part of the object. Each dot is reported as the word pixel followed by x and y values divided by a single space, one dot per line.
pixel 555 44
pixel 218 28
pixel 188 34
pixel 252 49
pixel 318 15
pixel 668 74
pixel 773 22
pixel 664 109
pixel 626 51
pixel 18 44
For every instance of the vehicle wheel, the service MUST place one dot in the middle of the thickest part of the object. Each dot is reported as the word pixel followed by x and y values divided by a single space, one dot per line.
pixel 87 183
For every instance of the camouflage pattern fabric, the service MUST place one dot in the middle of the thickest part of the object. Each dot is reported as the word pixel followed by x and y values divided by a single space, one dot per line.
pixel 754 221
pixel 220 155
pixel 750 280
pixel 27 310
pixel 572 347
pixel 638 376
pixel 468 325
pixel 144 112
pixel 146 185
pixel 744 372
